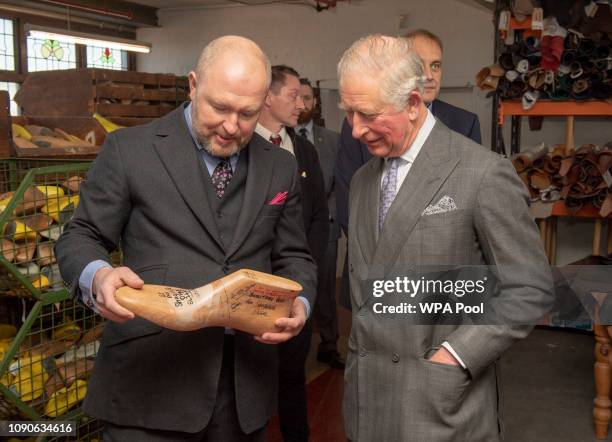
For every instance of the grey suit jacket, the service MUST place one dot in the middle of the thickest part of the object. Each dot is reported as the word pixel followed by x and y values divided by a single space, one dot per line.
pixel 327 142
pixel 146 191
pixel 392 391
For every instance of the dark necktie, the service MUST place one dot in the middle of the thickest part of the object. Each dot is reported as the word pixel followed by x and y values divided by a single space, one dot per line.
pixel 275 139
pixel 304 132
pixel 221 176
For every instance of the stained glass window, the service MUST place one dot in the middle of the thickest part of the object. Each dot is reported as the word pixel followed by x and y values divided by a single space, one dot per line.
pixel 7 46
pixel 48 55
pixel 12 90
pixel 101 57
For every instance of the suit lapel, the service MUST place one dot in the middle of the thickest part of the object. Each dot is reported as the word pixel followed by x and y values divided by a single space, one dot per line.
pixel 178 153
pixel 259 177
pixel 297 152
pixel 431 168
pixel 316 135
pixel 367 228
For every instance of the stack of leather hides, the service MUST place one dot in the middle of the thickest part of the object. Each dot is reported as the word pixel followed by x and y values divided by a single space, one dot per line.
pixel 571 59
pixel 582 178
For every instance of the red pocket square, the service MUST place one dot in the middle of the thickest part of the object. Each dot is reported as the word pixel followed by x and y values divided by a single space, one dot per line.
pixel 278 199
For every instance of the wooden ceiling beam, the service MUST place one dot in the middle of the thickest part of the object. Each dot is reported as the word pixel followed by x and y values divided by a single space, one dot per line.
pixel 118 12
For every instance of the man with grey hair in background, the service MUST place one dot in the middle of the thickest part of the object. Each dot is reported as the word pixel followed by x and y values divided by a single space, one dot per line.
pixel 191 197
pixel 428 197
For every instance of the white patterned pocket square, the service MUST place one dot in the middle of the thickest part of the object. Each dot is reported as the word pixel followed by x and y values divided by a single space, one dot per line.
pixel 446 204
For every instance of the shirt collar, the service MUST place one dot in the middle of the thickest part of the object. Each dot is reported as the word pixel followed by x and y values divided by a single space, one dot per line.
pixel 412 152
pixel 266 134
pixel 308 126
pixel 187 113
pixel 208 158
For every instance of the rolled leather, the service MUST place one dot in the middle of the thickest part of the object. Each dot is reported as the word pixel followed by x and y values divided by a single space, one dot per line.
pixel 539 179
pixel 524 159
pixel 488 78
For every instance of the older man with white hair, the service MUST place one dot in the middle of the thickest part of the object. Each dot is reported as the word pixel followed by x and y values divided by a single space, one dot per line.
pixel 191 197
pixel 429 197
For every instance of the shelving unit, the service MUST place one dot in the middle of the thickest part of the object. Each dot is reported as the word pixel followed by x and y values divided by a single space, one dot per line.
pixel 502 109
pixel 570 110
pixel 514 25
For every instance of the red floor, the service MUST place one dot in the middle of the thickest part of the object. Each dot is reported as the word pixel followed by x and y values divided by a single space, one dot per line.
pixel 324 398
pixel 324 409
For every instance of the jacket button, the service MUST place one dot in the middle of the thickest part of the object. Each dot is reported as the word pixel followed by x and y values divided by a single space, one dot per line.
pixel 225 269
pixel 395 358
pixel 351 268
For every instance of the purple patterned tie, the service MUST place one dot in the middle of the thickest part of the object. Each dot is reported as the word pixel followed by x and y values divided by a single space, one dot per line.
pixel 387 190
pixel 221 176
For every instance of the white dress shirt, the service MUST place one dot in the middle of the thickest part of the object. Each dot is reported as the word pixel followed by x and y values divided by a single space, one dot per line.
pixel 406 160
pixel 309 130
pixel 286 142
pixel 408 157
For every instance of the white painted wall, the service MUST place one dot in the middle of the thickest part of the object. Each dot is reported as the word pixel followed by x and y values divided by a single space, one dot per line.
pixel 313 42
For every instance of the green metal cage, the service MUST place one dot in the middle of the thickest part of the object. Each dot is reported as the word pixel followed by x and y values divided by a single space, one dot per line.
pixel 48 341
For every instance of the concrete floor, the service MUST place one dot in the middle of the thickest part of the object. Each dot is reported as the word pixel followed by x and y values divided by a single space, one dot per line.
pixel 549 388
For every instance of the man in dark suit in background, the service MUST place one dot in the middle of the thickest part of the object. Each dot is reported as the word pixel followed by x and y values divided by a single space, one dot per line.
pixel 279 115
pixel 191 197
pixel 326 142
pixel 353 154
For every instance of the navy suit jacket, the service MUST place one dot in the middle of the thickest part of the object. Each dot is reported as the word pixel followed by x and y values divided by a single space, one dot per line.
pixel 353 154
pixel 312 190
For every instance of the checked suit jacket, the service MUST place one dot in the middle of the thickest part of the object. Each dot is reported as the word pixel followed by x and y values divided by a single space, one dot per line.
pixel 352 154
pixel 392 391
pixel 146 192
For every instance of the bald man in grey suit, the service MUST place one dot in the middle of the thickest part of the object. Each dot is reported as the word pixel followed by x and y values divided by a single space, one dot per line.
pixel 191 197
pixel 428 197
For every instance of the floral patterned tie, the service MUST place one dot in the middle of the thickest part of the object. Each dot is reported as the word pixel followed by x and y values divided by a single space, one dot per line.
pixel 387 191
pixel 221 176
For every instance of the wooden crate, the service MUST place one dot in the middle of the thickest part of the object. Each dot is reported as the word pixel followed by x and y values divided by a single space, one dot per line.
pixel 123 97
pixel 67 99
pixel 83 127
